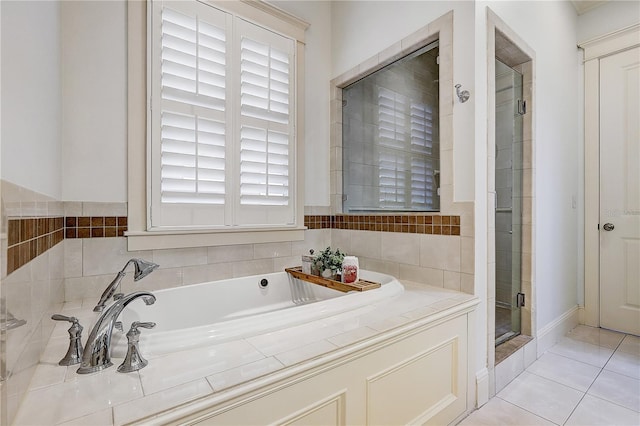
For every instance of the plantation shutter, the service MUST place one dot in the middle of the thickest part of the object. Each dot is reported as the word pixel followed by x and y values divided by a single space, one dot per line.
pixel 392 135
pixel 222 143
pixel 423 163
pixel 408 159
pixel 190 102
pixel 266 126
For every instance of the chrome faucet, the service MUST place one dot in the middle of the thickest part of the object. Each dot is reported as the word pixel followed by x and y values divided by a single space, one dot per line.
pixel 97 351
pixel 143 268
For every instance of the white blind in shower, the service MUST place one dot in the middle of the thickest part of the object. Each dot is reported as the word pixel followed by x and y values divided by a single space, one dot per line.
pixel 406 163
pixel 221 101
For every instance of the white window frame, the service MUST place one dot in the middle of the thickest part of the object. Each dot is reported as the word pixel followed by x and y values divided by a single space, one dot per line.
pixel 141 235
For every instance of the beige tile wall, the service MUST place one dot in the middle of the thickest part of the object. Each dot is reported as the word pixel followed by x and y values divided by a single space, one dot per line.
pixel 90 264
pixel 426 261
pixel 32 293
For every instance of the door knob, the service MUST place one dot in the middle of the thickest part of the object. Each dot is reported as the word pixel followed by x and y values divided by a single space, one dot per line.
pixel 608 226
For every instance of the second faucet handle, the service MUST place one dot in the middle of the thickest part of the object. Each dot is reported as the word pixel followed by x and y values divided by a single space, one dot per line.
pixel 134 361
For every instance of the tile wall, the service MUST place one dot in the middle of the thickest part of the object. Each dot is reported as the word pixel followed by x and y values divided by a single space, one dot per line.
pixel 91 263
pixel 32 286
pixel 391 116
pixel 407 224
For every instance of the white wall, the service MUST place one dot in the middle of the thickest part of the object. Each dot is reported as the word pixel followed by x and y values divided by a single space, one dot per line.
pixel 94 103
pixel 556 147
pixel 361 29
pixel 94 109
pixel 619 14
pixel 317 77
pixel 31 145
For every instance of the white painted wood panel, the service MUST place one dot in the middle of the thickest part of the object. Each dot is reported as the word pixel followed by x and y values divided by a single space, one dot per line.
pixel 419 378
pixel 620 191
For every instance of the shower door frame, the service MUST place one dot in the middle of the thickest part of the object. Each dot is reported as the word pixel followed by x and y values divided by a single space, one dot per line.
pixel 503 42
pixel 518 111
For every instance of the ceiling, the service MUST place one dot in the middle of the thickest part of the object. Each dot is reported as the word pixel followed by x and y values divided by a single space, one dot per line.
pixel 583 6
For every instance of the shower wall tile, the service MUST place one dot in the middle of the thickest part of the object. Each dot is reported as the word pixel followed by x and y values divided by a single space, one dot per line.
pixel 180 257
pixel 233 253
pixel 107 255
pixel 452 280
pixel 367 244
pixel 73 258
pixel 400 248
pixel 252 267
pixel 271 250
pixel 440 252
pixel 104 209
pixel 205 273
pixel 429 276
pixel 316 239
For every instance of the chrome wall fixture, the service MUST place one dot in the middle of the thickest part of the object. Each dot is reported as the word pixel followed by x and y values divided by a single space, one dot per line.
pixel 463 95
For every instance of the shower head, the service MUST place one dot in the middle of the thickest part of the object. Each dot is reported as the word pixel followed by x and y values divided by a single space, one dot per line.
pixel 143 268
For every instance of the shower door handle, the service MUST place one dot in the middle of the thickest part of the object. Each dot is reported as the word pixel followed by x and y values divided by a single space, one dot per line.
pixel 608 227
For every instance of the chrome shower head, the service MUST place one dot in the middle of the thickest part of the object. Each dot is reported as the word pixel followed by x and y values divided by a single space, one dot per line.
pixel 143 268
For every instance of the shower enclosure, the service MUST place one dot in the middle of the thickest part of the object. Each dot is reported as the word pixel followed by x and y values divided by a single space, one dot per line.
pixel 510 108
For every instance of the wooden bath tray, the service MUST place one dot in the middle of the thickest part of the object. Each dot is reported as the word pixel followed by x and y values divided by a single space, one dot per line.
pixel 360 285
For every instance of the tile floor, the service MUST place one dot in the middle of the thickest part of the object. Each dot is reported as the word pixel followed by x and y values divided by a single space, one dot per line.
pixel 590 377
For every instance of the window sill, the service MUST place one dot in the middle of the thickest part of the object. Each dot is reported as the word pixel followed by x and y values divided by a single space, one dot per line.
pixel 173 239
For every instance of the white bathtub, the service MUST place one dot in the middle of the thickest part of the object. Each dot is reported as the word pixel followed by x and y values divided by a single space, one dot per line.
pixel 208 313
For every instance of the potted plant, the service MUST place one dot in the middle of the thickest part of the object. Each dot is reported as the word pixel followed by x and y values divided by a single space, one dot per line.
pixel 328 263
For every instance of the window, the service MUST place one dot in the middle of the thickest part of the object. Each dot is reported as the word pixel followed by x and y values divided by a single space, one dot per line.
pixel 222 121
pixel 390 137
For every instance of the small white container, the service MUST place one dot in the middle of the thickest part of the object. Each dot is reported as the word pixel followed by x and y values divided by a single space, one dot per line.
pixel 307 262
pixel 350 270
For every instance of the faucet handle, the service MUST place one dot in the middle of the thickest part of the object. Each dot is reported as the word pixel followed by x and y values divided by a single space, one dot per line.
pixel 134 360
pixel 118 296
pixel 74 353
pixel 136 324
pixel 59 317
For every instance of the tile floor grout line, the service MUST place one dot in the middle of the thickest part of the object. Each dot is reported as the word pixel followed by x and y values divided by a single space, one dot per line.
pixel 595 379
pixel 524 409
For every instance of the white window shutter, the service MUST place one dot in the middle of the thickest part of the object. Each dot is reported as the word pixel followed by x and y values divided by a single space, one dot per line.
pixel 392 164
pixel 406 163
pixel 266 146
pixel 190 137
pixel 222 122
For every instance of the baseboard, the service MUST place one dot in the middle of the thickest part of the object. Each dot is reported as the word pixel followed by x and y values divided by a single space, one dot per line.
pixel 482 387
pixel 556 329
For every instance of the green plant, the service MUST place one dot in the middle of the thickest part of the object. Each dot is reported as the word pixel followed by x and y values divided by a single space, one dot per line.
pixel 328 259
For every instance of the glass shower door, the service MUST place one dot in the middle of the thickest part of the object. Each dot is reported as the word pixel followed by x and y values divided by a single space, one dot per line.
pixel 508 184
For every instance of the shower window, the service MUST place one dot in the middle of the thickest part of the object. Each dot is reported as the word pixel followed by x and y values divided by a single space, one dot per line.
pixel 390 137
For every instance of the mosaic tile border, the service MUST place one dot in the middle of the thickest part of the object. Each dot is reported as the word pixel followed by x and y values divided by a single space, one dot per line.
pixel 409 224
pixel 95 226
pixel 28 238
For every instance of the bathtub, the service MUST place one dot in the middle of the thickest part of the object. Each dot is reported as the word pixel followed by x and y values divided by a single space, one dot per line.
pixel 204 314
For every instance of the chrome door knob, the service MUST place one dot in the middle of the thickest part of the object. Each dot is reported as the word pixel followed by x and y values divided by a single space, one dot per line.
pixel 608 226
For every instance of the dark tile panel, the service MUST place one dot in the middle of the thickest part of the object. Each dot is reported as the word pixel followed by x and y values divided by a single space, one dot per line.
pixel 30 237
pixel 95 226
pixel 405 223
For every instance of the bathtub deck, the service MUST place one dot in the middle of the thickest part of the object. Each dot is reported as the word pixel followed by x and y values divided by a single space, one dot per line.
pixel 57 395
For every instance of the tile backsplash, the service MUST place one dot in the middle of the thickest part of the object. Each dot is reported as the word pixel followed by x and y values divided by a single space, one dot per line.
pixel 94 226
pixel 405 223
pixel 28 238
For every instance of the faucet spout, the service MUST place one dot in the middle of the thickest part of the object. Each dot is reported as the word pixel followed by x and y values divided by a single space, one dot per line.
pixel 97 352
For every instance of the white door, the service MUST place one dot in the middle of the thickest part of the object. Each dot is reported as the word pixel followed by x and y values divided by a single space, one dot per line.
pixel 620 191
